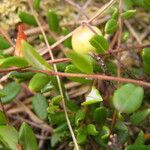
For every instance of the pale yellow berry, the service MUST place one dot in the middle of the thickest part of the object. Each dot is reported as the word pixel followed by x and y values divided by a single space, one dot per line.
pixel 81 37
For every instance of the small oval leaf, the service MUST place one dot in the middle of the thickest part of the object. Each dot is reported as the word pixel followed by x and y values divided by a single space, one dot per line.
pixel 40 105
pixel 27 18
pixel 9 137
pixel 27 138
pixel 73 69
pixel 13 61
pixel 83 62
pixel 33 57
pixel 100 43
pixel 38 82
pixel 111 26
pixel 128 98
pixel 53 21
pixel 11 90
pixel 128 14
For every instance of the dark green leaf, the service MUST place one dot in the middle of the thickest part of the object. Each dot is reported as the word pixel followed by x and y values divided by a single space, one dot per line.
pixel 33 57
pixel 93 97
pixel 139 116
pixel 4 44
pixel 21 75
pixel 91 129
pixel 11 90
pixel 128 98
pixel 3 119
pixel 83 62
pixel 38 82
pixel 9 137
pixel 36 4
pixel 100 43
pixel 40 104
pixel 53 21
pixel 100 115
pixel 27 18
pixel 122 131
pixel 80 115
pixel 13 61
pixel 128 14
pixel 111 26
pixel 73 69
pixel 27 138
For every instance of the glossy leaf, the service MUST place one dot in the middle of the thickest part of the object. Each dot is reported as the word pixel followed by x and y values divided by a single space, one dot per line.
pixel 53 21
pixel 3 119
pixel 27 138
pixel 27 18
pixel 73 69
pixel 100 43
pixel 80 61
pixel 33 57
pixel 11 90
pixel 80 115
pixel 140 138
pixel 139 116
pixel 93 97
pixel 13 61
pixel 111 26
pixel 38 82
pixel 4 44
pixel 91 129
pixel 128 14
pixel 36 4
pixel 9 137
pixel 40 104
pixel 100 115
pixel 128 98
